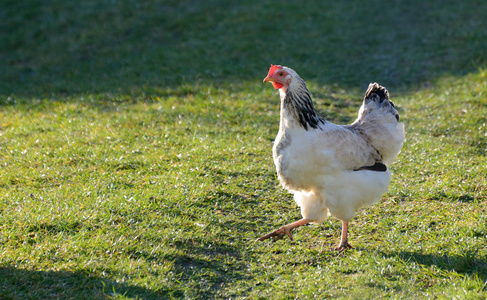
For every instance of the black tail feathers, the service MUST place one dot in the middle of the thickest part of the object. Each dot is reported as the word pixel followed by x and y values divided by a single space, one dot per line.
pixel 377 89
pixel 379 94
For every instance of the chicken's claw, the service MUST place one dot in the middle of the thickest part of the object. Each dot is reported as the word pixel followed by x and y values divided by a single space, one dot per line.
pixel 278 234
pixel 343 246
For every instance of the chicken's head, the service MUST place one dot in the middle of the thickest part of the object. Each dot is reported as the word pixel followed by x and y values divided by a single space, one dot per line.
pixel 278 76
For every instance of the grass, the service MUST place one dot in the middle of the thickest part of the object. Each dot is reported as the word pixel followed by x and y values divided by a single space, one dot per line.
pixel 135 149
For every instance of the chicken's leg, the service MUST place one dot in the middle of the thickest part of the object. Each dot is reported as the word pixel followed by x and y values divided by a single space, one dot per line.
pixel 344 240
pixel 286 229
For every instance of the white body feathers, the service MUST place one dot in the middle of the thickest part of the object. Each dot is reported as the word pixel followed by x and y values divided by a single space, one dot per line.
pixel 321 164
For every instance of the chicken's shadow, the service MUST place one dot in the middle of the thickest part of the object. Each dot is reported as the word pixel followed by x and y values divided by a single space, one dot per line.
pixel 468 263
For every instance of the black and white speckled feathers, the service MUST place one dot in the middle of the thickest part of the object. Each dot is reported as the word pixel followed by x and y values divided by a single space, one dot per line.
pixel 298 102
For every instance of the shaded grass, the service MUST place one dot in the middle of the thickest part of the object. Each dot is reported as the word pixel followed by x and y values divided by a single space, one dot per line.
pixel 135 149
pixel 65 48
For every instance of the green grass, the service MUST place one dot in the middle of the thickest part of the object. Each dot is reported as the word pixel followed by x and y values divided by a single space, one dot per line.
pixel 135 149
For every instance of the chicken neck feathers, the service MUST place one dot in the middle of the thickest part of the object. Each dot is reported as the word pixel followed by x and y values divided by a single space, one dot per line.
pixel 299 104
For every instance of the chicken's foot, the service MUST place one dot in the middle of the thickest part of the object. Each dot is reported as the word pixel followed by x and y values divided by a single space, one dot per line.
pixel 284 230
pixel 344 245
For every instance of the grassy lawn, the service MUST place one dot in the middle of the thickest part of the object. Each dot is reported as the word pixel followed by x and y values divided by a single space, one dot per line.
pixel 135 149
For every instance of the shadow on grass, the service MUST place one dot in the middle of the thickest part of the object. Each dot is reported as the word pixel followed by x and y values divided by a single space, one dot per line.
pixel 202 271
pixel 66 48
pixel 469 263
pixel 451 196
pixel 197 272
pixel 27 284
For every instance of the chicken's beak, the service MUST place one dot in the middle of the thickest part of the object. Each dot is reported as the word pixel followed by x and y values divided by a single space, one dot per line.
pixel 276 84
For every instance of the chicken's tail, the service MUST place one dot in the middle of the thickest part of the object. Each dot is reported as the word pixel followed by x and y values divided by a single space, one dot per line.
pixel 379 95
pixel 378 121
pixel 377 89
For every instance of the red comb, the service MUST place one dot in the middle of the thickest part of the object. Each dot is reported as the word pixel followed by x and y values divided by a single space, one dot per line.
pixel 273 69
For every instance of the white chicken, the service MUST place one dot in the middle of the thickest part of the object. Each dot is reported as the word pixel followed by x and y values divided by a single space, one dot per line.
pixel 332 169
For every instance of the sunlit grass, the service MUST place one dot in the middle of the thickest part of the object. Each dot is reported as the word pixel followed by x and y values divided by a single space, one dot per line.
pixel 136 153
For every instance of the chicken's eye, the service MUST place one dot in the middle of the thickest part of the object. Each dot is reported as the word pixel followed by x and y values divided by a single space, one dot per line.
pixel 281 74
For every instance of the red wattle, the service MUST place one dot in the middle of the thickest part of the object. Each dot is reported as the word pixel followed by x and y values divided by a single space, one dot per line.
pixel 277 85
